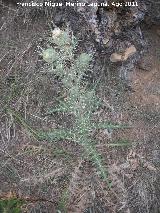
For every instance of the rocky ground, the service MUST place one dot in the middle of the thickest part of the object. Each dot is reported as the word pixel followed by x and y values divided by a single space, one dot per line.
pixel 53 177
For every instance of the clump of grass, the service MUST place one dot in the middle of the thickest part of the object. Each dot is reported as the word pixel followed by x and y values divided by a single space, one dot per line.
pixel 12 205
pixel 63 202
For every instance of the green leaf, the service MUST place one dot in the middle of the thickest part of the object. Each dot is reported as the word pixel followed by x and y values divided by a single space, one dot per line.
pixel 57 134
pixel 12 205
pixel 95 157
pixel 63 201
pixel 106 125
pixel 58 109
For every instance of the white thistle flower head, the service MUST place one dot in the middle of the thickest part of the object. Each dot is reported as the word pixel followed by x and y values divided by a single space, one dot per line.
pixel 56 32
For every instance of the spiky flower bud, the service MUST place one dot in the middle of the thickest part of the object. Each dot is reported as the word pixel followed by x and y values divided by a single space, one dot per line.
pixel 50 55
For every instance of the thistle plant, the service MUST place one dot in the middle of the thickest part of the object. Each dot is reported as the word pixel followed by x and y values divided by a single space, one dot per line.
pixel 81 101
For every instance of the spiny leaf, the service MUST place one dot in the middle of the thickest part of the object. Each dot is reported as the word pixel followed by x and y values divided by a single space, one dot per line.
pixel 57 134
pixel 106 125
pixel 93 155
pixel 120 143
pixel 60 108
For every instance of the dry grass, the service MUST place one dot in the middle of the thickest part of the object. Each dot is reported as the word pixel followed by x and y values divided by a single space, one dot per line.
pixel 53 176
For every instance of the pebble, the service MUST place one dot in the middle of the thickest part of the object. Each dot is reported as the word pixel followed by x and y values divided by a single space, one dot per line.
pixel 117 57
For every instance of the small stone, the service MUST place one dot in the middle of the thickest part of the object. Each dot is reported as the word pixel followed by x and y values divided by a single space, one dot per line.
pixel 129 52
pixel 97 31
pixel 116 57
pixel 97 40
pixel 105 40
